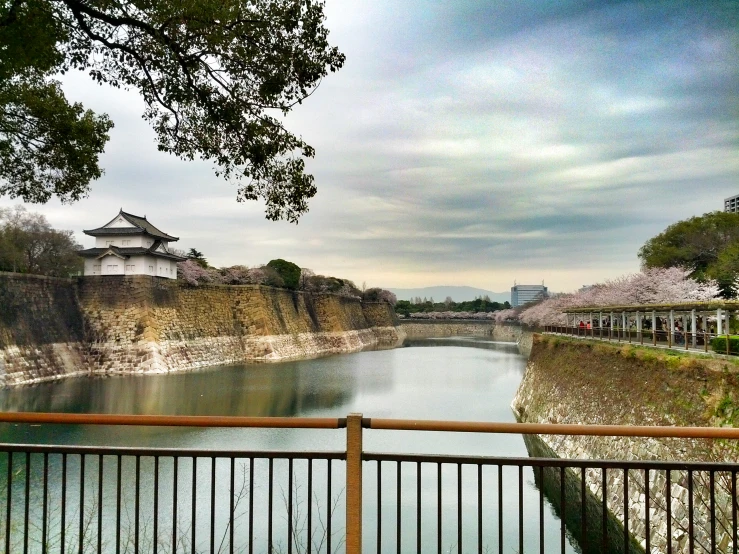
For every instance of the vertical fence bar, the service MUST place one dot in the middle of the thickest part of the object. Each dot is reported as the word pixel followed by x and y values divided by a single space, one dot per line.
pixel 712 485
pixel 520 508
pixel 213 506
pixel 583 512
pixel 137 504
pixel 80 545
pixel 290 506
pixel 45 503
pixel 604 514
pixel 194 504
pixel 479 508
pixel 231 507
pixel 353 484
pixel 562 510
pixel 156 502
pixel 100 507
pixel 251 505
pixel 733 511
pixel 310 506
pixel 175 464
pixel 500 508
pixel 379 506
pixel 418 507
pixel 398 523
pixel 118 508
pixel 647 494
pixel 270 482
pixel 9 499
pixel 438 507
pixel 668 503
pixel 27 502
pixel 328 516
pixel 691 542
pixel 541 509
pixel 64 504
pixel 626 510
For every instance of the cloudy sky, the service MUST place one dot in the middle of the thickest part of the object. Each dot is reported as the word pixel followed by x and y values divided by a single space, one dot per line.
pixel 468 142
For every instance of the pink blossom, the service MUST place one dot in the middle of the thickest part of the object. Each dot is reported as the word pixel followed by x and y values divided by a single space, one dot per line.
pixel 650 286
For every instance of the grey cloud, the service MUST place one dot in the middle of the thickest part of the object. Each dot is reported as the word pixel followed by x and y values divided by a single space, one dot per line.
pixel 471 137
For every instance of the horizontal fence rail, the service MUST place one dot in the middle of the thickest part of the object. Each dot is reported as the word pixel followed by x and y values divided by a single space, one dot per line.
pixel 79 499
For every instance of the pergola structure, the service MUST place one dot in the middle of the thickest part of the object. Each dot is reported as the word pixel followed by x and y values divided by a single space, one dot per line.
pixel 691 322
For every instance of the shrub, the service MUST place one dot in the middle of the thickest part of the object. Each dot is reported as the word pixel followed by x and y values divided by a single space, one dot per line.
pixel 288 272
pixel 719 344
pixel 376 294
pixel 321 284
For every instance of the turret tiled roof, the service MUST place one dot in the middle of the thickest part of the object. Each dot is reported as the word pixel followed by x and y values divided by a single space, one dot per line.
pixel 140 226
pixel 128 252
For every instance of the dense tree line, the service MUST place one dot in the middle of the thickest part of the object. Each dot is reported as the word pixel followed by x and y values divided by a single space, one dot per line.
pixel 481 304
pixel 28 244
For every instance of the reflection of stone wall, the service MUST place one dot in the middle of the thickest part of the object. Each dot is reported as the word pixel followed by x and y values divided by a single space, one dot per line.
pixel 569 381
pixel 110 324
pixel 420 329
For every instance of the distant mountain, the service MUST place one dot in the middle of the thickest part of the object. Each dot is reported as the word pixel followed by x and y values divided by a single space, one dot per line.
pixel 458 294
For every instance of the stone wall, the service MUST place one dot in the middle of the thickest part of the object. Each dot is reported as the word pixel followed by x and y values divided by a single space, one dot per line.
pixel 50 328
pixel 420 329
pixel 41 328
pixel 569 381
pixel 434 328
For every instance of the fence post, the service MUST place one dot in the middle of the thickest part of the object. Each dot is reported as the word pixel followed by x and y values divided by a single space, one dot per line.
pixel 354 484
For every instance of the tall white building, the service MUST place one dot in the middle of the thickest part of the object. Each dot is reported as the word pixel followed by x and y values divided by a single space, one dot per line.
pixel 731 204
pixel 523 294
pixel 130 245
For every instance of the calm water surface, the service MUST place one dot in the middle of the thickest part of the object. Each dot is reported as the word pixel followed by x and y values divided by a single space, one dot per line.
pixel 454 379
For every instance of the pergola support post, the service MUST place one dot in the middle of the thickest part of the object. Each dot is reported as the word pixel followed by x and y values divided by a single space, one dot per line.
pixel 719 322
pixel 610 330
pixel 654 328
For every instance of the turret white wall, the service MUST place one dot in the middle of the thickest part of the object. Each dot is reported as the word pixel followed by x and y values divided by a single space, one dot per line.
pixel 125 241
pixel 135 265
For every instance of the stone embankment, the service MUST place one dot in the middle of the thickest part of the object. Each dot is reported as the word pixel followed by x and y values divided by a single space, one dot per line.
pixel 422 329
pixel 52 328
pixel 430 328
pixel 569 381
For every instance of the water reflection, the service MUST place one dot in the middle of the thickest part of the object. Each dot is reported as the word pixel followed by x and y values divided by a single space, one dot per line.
pixel 248 390
pixel 473 383
pixel 465 342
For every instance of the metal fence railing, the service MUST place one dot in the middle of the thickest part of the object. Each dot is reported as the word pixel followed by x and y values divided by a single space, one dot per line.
pixel 681 340
pixel 78 499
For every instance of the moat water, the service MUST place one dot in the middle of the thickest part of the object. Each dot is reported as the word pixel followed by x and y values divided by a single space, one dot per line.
pixel 450 379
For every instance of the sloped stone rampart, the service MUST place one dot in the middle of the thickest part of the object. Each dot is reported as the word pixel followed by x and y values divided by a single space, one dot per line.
pixel 569 381
pixel 52 328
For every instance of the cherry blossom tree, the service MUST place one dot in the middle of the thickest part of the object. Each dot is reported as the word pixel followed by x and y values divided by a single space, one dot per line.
pixel 194 274
pixel 650 286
